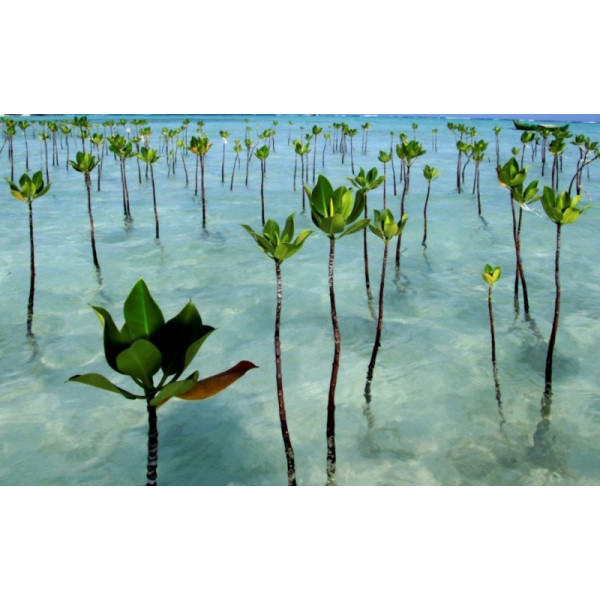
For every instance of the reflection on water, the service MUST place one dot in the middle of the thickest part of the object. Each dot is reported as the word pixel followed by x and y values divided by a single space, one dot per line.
pixel 436 415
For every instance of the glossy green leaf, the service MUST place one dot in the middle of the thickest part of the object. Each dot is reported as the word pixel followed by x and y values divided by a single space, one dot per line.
pixel 193 348
pixel 142 315
pixel 178 334
pixel 140 361
pixel 115 341
pixel 99 381
pixel 355 227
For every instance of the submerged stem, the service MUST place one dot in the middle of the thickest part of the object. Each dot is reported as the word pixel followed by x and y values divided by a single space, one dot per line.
pixel 289 451
pixel 330 431
pixel 151 474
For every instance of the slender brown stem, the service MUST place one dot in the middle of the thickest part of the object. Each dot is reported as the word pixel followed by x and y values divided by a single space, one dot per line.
pixel 152 463
pixel 424 242
pixel 32 272
pixel 289 451
pixel 262 191
pixel 154 201
pixel 552 341
pixel 331 454
pixel 88 185
pixel 377 343
pixel 494 364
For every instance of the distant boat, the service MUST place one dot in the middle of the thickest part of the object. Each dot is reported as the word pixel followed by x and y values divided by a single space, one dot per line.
pixel 526 126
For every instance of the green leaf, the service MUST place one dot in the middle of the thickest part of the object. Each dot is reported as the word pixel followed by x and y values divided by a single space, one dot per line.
pixel 195 347
pixel 288 230
pixel 115 341
pixel 358 226
pixel 140 361
pixel 175 338
pixel 320 196
pixel 143 316
pixel 99 381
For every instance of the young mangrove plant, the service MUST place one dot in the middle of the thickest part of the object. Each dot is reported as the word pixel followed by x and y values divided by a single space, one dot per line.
pixel 527 137
pixel 224 135
pixel 43 136
pixel 262 154
pixel 23 125
pixel 497 131
pixel 302 150
pixel 384 158
pixel 336 213
pixel 279 246
pixel 86 163
pixel 430 174
pixel 27 191
pixel 491 275
pixel 122 149
pixel 365 136
pixel 407 152
pixel 365 182
pixel 513 177
pixel 316 130
pixel 145 345
pixel 150 156
pixel 98 140
pixel 237 148
pixel 200 146
pixel 386 228
pixel 479 149
pixel 561 210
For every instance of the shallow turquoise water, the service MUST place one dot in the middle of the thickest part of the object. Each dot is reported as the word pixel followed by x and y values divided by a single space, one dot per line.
pixel 435 419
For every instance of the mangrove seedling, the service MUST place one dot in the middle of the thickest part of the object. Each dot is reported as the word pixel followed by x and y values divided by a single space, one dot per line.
pixel 279 246
pixel 407 152
pixel 384 157
pixel 200 146
pixel 365 182
pixel 315 131
pixel 150 156
pixel 491 275
pixel 430 174
pixel 43 136
pixel 237 148
pixel 145 345
pixel 224 135
pixel 479 149
pixel 561 210
pixel 386 228
pixel 27 191
pixel 262 153
pixel 336 213
pixel 23 125
pixel 497 131
pixel 86 163
pixel 122 149
pixel 513 177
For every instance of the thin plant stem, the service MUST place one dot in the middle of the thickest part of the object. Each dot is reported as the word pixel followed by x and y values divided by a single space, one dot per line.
pixel 330 431
pixel 289 451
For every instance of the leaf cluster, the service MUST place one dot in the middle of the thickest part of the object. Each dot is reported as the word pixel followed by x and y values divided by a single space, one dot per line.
pixel 276 244
pixel 335 212
pixel 147 344
pixel 560 207
pixel 384 226
pixel 29 188
pixel 84 163
pixel 491 274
